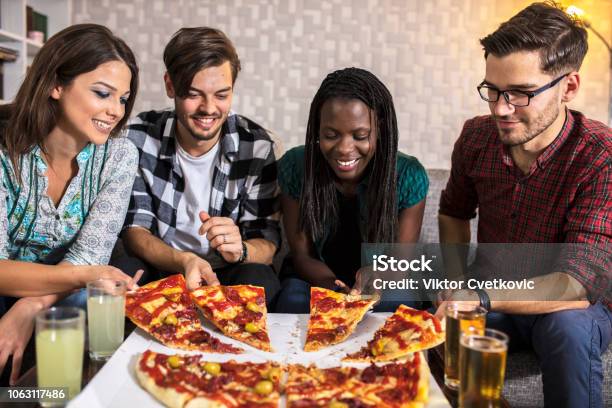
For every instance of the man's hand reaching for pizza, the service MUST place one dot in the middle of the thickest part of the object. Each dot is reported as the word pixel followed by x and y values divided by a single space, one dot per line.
pixel 223 235
pixel 198 272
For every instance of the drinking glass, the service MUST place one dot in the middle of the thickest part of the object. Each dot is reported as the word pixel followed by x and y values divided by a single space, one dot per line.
pixel 460 318
pixel 105 317
pixel 60 342
pixel 482 365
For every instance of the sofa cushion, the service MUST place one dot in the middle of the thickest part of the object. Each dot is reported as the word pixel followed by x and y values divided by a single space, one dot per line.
pixel 523 385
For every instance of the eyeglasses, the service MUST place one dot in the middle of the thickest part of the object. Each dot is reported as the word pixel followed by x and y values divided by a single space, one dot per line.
pixel 518 98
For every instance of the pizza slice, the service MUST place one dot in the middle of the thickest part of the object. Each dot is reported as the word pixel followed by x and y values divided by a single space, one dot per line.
pixel 333 317
pixel 238 311
pixel 165 310
pixel 395 385
pixel 180 381
pixel 406 331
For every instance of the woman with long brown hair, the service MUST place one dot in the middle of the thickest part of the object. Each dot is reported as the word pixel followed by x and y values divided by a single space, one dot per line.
pixel 65 177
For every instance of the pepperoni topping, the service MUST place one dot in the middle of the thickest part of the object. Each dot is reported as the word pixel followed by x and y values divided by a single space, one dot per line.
pixel 326 304
pixel 232 295
pixel 369 374
pixel 260 335
pixel 355 403
pixel 166 331
pixel 356 303
pixel 322 336
pixel 424 315
pixel 260 300
pixel 304 403
pixel 335 376
pixel 199 337
pixel 337 320
pixel 222 305
pixel 140 315
pixel 247 316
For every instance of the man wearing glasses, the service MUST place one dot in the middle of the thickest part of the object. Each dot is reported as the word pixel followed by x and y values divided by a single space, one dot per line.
pixel 538 172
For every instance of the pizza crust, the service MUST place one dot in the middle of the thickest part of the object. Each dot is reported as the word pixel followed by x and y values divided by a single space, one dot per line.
pixel 170 397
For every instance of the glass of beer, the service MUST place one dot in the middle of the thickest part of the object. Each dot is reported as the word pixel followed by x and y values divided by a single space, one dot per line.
pixel 60 342
pixel 105 317
pixel 482 364
pixel 460 318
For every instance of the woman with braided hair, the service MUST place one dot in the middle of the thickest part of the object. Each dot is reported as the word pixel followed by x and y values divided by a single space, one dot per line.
pixel 348 185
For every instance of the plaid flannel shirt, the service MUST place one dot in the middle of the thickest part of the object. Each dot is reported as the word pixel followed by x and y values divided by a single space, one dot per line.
pixel 565 198
pixel 244 184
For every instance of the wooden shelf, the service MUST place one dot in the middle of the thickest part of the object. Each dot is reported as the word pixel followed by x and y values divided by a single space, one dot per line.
pixel 7 36
pixel 13 35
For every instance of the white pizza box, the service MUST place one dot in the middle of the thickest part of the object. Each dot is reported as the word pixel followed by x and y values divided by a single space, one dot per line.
pixel 115 385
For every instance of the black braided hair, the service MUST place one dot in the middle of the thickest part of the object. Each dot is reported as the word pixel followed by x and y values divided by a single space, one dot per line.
pixel 318 202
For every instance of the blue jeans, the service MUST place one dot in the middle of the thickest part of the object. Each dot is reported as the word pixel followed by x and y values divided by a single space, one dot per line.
pixel 294 297
pixel 77 299
pixel 569 345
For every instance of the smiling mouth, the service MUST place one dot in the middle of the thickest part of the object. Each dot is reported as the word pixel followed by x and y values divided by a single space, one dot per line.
pixel 102 126
pixel 204 122
pixel 346 165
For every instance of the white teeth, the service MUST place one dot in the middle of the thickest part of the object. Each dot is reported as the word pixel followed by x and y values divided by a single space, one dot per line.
pixel 206 121
pixel 101 125
pixel 347 163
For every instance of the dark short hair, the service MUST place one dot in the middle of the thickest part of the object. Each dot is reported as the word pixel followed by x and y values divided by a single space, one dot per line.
pixel 75 50
pixel 192 49
pixel 560 39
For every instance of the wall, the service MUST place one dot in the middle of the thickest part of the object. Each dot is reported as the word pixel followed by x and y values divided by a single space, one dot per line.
pixel 426 52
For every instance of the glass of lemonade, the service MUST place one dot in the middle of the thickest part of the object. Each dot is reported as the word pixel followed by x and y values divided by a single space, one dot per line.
pixel 482 365
pixel 60 342
pixel 460 318
pixel 105 317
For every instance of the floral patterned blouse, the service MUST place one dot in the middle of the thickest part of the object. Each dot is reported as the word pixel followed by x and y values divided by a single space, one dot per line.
pixel 83 228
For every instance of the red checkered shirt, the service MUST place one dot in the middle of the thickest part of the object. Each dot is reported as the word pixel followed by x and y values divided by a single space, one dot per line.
pixel 565 198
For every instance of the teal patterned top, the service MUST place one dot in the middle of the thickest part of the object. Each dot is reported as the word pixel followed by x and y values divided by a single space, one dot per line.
pixel 412 183
pixel 83 228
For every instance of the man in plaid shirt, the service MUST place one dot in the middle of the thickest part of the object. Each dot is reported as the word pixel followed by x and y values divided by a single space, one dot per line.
pixel 540 173
pixel 205 199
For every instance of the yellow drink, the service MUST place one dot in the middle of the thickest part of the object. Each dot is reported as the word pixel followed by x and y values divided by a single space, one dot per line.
pixel 459 322
pixel 59 358
pixel 105 321
pixel 482 365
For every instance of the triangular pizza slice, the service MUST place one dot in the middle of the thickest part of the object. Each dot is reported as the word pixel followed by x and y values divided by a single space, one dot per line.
pixel 333 317
pixel 406 331
pixel 238 311
pixel 165 310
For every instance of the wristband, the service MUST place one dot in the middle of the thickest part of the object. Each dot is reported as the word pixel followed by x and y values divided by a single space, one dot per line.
pixel 244 255
pixel 485 300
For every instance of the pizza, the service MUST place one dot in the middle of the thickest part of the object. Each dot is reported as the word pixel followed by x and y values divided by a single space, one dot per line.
pixel 189 381
pixel 238 311
pixel 394 385
pixel 165 310
pixel 406 331
pixel 333 317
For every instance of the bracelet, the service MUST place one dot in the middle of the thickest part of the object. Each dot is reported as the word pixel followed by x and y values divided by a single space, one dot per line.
pixel 485 300
pixel 244 254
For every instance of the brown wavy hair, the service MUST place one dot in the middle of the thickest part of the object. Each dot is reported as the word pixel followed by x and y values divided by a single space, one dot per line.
pixel 75 50
pixel 192 49
pixel 560 39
